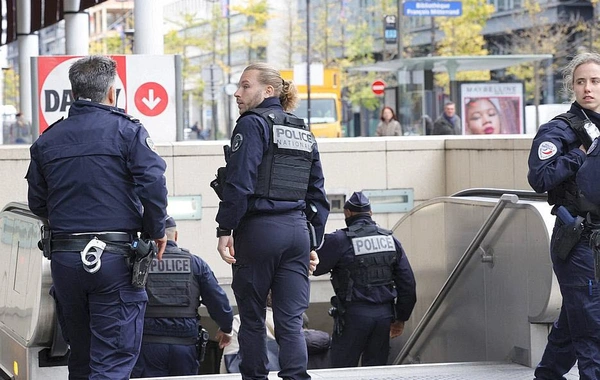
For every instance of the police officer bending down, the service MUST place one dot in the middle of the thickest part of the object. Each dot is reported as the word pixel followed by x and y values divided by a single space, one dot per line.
pixel 98 180
pixel 369 270
pixel 272 175
pixel 176 285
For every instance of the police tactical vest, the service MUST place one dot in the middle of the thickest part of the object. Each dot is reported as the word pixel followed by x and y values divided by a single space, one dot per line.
pixel 567 193
pixel 374 255
pixel 285 168
pixel 172 290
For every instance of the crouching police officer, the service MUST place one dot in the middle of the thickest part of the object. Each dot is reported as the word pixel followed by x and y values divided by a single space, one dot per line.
pixel 174 340
pixel 98 180
pixel 369 270
pixel 272 174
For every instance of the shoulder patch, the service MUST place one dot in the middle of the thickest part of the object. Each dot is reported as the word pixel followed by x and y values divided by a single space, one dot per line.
pixel 238 139
pixel 593 146
pixel 546 150
pixel 150 144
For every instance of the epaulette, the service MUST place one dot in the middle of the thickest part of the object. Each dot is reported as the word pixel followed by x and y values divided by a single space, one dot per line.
pixel 358 230
pixel 384 231
pixel 570 118
pixel 126 116
pixel 288 118
pixel 53 124
pixel 265 113
pixel 578 126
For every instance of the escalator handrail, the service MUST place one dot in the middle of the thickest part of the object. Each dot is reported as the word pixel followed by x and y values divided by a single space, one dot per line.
pixel 456 272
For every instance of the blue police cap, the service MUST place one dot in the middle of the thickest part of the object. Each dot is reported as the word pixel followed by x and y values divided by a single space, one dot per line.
pixel 358 202
pixel 170 222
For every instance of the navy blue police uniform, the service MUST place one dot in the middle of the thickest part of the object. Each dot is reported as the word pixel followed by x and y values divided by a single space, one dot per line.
pixel 271 238
pixel 555 162
pixel 176 286
pixel 96 174
pixel 374 286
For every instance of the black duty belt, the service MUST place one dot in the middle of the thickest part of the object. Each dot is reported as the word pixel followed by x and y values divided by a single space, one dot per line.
pixel 116 237
pixel 78 245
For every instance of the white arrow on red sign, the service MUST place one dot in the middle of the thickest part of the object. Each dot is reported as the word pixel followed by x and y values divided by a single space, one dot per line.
pixel 151 99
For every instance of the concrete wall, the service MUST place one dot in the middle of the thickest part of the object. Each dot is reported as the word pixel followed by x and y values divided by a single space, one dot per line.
pixel 432 166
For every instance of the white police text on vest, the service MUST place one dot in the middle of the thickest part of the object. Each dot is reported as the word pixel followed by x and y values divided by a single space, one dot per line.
pixel 373 244
pixel 292 138
pixel 171 265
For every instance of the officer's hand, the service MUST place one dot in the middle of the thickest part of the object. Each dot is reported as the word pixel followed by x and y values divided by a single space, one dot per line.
pixel 223 339
pixel 583 148
pixel 225 248
pixel 314 261
pixel 396 329
pixel 161 244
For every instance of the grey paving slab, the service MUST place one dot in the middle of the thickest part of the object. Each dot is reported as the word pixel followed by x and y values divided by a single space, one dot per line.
pixel 444 371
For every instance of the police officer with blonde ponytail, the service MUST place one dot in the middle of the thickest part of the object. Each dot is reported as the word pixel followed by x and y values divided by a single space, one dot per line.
pixel 374 287
pixel 272 179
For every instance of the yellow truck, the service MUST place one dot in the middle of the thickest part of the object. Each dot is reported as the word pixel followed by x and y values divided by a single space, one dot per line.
pixel 325 98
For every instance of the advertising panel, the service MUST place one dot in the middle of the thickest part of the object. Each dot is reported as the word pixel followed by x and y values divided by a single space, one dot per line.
pixel 492 108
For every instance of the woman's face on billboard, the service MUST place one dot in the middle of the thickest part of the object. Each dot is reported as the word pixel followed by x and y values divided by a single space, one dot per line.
pixel 482 117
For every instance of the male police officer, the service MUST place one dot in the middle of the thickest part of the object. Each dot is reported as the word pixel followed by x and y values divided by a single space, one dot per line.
pixel 369 270
pixel 272 174
pixel 98 180
pixel 176 285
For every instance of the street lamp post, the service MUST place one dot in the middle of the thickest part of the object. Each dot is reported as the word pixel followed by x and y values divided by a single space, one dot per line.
pixel 400 45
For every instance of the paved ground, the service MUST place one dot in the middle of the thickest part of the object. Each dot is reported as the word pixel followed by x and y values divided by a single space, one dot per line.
pixel 456 371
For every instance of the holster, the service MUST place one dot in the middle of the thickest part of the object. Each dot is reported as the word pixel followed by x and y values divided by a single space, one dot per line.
pixel 595 245
pixel 312 236
pixel 310 212
pixel 337 311
pixel 218 183
pixel 45 241
pixel 566 237
pixel 143 251
pixel 203 337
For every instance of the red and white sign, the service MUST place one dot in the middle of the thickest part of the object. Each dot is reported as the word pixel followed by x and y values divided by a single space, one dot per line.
pixel 54 89
pixel 147 92
pixel 378 87
pixel 151 99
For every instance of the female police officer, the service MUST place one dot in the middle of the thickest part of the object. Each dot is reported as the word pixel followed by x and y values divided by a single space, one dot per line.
pixel 272 174
pixel 556 158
